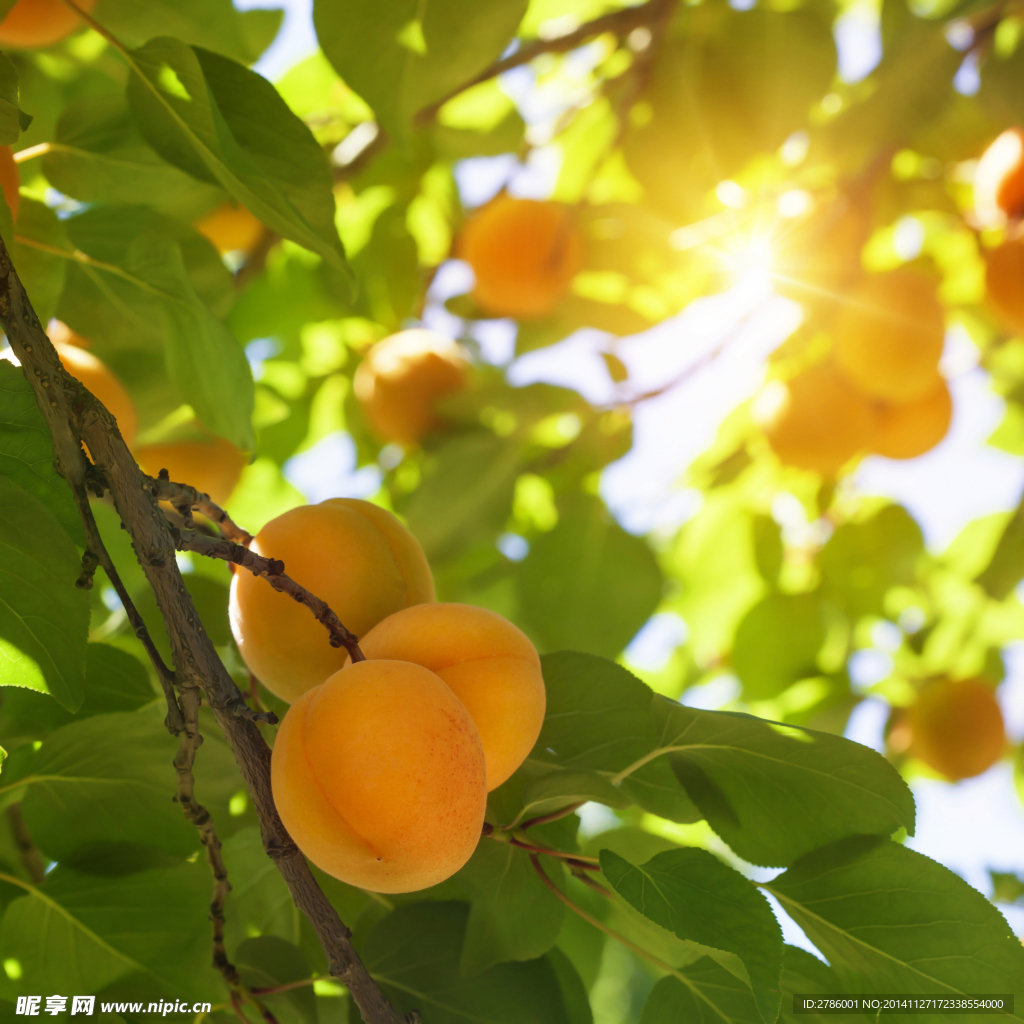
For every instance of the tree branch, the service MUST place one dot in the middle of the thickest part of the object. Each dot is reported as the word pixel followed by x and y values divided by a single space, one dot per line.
pixel 272 570
pixel 620 22
pixel 74 415
pixel 30 859
pixel 187 499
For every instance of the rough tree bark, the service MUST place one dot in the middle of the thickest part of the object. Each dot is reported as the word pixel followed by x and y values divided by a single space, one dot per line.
pixel 73 416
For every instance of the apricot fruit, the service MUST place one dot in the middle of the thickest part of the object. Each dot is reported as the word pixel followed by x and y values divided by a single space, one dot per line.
pixel 524 254
pixel 354 555
pixel 379 776
pixel 889 334
pixel 906 431
pixel 40 22
pixel 401 379
pixel 817 420
pixel 999 178
pixel 1004 283
pixel 96 376
pixel 231 228
pixel 490 665
pixel 213 466
pixel 957 728
pixel 10 181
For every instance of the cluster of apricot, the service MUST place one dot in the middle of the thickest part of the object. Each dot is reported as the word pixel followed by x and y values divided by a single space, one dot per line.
pixel 381 768
pixel 880 391
pixel 956 728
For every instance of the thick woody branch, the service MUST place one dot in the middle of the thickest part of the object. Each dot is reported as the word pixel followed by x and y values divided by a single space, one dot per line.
pixel 74 415
pixel 621 23
pixel 187 500
pixel 272 570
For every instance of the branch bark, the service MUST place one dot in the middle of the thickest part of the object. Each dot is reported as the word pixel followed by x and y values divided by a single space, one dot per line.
pixel 74 415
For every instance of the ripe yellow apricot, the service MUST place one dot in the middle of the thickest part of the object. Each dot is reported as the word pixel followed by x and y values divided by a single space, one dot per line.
pixel 999 178
pixel 889 335
pixel 524 254
pixel 354 555
pixel 40 22
pixel 490 665
pixel 403 377
pixel 817 420
pixel 379 776
pixel 213 467
pixel 97 377
pixel 1004 283
pixel 906 431
pixel 957 728
pixel 231 228
pixel 10 180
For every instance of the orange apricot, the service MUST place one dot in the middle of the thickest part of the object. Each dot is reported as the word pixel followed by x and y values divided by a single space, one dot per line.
pixel 1004 283
pixel 524 254
pixel 354 555
pixel 96 376
pixel 40 22
pixel 817 420
pixel 379 776
pixel 906 431
pixel 213 466
pixel 957 728
pixel 10 180
pixel 999 178
pixel 490 665
pixel 231 228
pixel 402 378
pixel 889 335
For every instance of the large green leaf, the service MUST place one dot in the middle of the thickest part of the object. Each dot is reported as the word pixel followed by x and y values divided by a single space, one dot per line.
pixel 79 933
pixel 268 962
pixel 414 954
pixel 13 121
pixel 513 915
pixel 224 124
pixel 703 993
pixel 587 584
pixel 26 451
pixel 260 902
pixel 44 617
pixel 773 792
pixel 107 779
pixel 694 895
pixel 42 272
pixel 804 974
pixel 403 56
pixel 891 920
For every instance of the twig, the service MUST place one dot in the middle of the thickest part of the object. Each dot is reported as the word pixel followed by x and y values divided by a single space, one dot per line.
pixel 620 22
pixel 73 415
pixel 185 499
pixel 30 859
pixel 188 746
pixel 272 570
pixel 544 819
pixel 574 859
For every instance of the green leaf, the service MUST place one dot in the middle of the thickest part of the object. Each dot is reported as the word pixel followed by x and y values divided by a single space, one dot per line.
pixel 777 644
pixel 599 720
pixel 44 617
pixel 587 584
pixel 260 902
pixel 224 124
pixel 98 156
pixel 804 973
pixel 114 681
pixel 107 779
pixel 405 55
pixel 26 451
pixel 774 792
pixel 269 961
pixel 556 790
pixel 80 933
pixel 414 952
pixel 862 561
pixel 703 993
pixel 12 120
pixel 891 920
pixel 1006 567
pixel 513 915
pixel 41 272
pixel 574 992
pixel 694 895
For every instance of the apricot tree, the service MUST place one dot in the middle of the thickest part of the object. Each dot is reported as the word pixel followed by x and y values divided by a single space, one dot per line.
pixel 391 753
